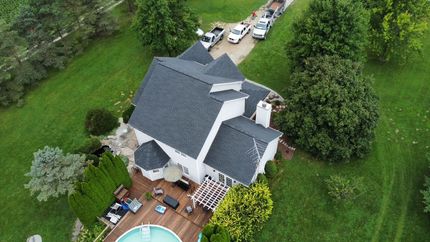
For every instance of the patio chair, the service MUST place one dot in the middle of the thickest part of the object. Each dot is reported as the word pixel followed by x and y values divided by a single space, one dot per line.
pixel 158 191
pixel 160 209
pixel 189 209
pixel 116 206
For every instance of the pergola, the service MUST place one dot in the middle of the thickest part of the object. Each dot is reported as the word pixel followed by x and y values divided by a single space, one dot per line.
pixel 209 194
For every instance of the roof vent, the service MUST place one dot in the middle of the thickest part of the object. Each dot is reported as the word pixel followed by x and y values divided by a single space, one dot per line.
pixel 264 111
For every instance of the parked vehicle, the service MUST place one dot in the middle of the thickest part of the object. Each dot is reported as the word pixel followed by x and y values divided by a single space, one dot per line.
pixel 238 32
pixel 211 38
pixel 277 7
pixel 261 29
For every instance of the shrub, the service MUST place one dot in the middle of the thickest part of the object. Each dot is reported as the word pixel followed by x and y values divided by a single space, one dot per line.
pixel 341 188
pixel 95 192
pixel 215 233
pixel 204 239
pixel 89 234
pixel 262 178
pixel 148 196
pixel 100 121
pixel 278 156
pixel 127 114
pixel 244 211
pixel 270 169
pixel 90 145
pixel 93 159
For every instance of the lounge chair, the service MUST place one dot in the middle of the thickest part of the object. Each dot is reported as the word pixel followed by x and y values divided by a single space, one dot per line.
pixel 134 205
pixel 158 191
pixel 115 206
pixel 160 209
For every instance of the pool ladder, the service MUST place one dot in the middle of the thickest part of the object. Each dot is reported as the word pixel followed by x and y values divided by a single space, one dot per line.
pixel 146 233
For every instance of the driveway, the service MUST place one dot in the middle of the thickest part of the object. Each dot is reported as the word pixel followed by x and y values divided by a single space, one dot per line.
pixel 238 52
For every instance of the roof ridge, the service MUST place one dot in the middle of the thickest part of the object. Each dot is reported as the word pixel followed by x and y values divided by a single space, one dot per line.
pixel 186 74
pixel 245 133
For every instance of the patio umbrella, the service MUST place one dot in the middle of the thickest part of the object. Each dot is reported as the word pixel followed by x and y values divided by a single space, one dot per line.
pixel 172 173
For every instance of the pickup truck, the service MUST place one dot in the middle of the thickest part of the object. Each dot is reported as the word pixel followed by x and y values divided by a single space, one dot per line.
pixel 277 7
pixel 261 29
pixel 238 32
pixel 211 38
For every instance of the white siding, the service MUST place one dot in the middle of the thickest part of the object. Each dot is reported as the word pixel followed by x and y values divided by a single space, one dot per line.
pixel 214 174
pixel 184 160
pixel 151 175
pixel 227 86
pixel 142 137
pixel 269 154
pixel 229 110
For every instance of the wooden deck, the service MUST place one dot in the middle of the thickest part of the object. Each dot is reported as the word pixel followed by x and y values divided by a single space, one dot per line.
pixel 187 227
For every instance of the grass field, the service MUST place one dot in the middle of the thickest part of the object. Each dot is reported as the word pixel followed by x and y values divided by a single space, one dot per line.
pixel 390 209
pixel 54 114
pixel 224 10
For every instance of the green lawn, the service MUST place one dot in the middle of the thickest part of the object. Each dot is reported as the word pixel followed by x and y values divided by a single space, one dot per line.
pixel 54 114
pixel 390 209
pixel 224 10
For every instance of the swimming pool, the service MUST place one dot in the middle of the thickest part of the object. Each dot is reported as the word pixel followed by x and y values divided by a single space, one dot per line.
pixel 157 234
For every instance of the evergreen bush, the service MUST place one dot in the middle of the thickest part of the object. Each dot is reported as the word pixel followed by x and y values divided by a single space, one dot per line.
pixel 262 178
pixel 271 169
pixel 127 114
pixel 90 145
pixel 100 121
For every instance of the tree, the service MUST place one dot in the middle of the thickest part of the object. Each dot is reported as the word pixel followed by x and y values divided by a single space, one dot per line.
pixel 329 27
pixel 165 26
pixel 397 27
pixel 331 110
pixel 16 68
pixel 100 121
pixel 53 173
pixel 243 211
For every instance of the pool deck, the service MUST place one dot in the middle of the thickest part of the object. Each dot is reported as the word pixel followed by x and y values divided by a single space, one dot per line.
pixel 187 227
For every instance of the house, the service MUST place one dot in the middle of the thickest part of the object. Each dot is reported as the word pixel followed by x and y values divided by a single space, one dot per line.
pixel 195 111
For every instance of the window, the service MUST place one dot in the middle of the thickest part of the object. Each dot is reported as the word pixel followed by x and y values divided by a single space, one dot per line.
pixel 180 166
pixel 221 178
pixel 155 171
pixel 229 182
pixel 186 171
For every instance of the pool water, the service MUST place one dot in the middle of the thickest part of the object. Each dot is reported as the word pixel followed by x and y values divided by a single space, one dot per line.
pixel 158 234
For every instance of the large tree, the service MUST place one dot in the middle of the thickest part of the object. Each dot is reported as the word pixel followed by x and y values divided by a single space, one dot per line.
pixel 166 26
pixel 332 110
pixel 53 173
pixel 16 68
pixel 397 27
pixel 330 27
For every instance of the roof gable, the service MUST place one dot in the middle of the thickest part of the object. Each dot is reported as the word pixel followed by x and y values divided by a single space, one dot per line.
pixel 256 94
pixel 196 53
pixel 150 156
pixel 223 66
pixel 176 109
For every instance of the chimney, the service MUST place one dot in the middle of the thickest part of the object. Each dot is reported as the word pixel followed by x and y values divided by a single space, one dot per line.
pixel 264 110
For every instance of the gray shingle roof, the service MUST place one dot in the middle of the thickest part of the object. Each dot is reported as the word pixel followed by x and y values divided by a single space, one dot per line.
pixel 256 93
pixel 228 95
pixel 249 127
pixel 223 66
pixel 192 69
pixel 175 109
pixel 230 151
pixel 150 156
pixel 197 53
